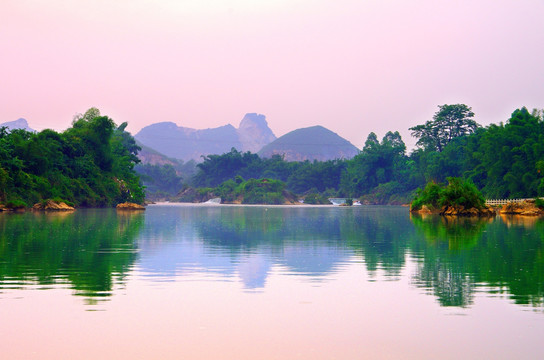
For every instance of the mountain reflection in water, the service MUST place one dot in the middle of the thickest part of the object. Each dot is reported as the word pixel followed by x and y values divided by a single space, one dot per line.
pixel 94 252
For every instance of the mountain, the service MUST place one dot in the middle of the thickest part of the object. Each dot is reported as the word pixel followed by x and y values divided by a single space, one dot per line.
pixel 254 132
pixel 312 143
pixel 184 143
pixel 17 124
pixel 150 156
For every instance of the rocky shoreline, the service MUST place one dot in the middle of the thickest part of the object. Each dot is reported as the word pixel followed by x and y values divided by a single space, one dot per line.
pixel 129 206
pixel 51 205
pixel 453 210
pixel 525 208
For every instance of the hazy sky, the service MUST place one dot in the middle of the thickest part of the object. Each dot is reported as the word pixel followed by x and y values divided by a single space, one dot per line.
pixel 351 66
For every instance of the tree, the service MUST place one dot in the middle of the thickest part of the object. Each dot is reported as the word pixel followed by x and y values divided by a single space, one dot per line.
pixel 449 122
pixel 378 163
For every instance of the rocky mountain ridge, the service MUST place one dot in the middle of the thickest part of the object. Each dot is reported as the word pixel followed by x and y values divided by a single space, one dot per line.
pixel 191 144
pixel 17 124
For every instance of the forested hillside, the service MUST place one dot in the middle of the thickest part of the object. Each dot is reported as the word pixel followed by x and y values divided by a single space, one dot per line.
pixel 504 161
pixel 90 164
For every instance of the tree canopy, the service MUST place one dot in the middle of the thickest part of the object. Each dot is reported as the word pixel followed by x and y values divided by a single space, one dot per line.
pixel 89 164
pixel 92 163
pixel 504 160
pixel 448 123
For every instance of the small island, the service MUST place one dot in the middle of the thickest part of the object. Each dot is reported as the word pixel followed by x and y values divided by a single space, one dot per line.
pixel 53 205
pixel 129 206
pixel 459 197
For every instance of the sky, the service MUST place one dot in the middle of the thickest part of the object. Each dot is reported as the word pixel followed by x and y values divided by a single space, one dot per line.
pixel 352 66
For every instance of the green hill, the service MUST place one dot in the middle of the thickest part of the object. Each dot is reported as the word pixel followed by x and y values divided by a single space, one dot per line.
pixel 312 143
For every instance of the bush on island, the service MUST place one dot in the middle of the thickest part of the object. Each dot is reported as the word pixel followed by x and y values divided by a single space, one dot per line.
pixel 459 197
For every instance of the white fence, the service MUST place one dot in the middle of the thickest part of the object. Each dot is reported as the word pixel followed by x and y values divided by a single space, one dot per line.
pixel 504 201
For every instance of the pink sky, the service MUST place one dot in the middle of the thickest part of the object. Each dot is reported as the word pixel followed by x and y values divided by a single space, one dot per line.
pixel 351 66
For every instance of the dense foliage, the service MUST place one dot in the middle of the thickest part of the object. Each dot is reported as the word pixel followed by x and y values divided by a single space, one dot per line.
pixel 458 192
pixel 504 161
pixel 159 180
pixel 252 191
pixel 90 164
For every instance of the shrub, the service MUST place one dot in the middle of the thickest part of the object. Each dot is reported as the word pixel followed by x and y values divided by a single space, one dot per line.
pixel 429 196
pixel 16 204
pixel 262 191
pixel 458 192
pixel 461 192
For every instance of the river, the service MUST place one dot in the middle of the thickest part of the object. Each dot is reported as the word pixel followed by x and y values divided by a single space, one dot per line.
pixel 277 282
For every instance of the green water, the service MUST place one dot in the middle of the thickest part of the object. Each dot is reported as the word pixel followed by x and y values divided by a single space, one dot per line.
pixel 239 282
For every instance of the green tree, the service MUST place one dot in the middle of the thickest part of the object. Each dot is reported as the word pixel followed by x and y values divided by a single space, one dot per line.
pixel 89 164
pixel 449 122
pixel 378 163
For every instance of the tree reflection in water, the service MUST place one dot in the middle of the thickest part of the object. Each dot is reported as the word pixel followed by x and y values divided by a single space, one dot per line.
pixel 92 251
pixel 460 255
pixel 89 250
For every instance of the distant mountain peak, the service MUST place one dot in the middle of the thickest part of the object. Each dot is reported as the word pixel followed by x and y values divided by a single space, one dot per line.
pixel 17 124
pixel 254 132
pixel 311 143
pixel 253 119
pixel 185 143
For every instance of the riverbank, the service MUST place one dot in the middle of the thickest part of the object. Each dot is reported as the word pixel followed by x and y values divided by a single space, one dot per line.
pixel 524 208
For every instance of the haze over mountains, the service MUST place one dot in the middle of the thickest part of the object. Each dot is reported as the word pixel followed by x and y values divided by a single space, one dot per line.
pixel 166 142
pixel 312 143
pixel 184 143
pixel 17 124
pixel 253 134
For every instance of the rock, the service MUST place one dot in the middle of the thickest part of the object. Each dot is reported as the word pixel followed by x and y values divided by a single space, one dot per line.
pixel 254 132
pixel 488 211
pixel 424 210
pixel 130 206
pixel 461 211
pixel 51 205
pixel 450 210
pixel 526 208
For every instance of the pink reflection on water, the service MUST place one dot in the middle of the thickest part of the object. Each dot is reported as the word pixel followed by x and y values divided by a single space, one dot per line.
pixel 200 317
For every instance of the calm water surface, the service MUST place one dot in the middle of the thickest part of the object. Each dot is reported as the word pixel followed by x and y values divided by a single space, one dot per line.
pixel 234 282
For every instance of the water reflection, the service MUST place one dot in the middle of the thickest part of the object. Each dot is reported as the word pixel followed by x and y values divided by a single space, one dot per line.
pixel 460 256
pixel 94 251
pixel 243 241
pixel 458 232
pixel 88 251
